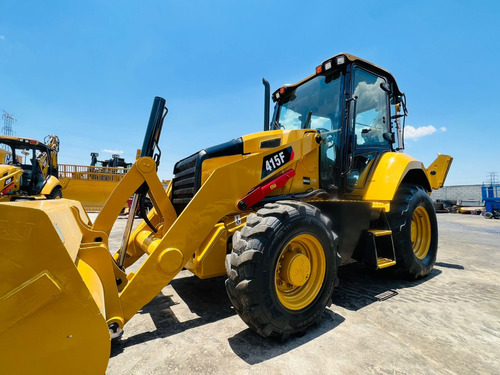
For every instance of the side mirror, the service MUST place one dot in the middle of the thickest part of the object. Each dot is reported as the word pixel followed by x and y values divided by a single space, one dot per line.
pixel 389 137
pixel 386 87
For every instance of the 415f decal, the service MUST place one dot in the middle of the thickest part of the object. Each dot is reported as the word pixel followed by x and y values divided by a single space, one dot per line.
pixel 276 160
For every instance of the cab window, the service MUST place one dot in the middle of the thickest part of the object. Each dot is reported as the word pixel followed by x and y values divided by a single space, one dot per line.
pixel 371 110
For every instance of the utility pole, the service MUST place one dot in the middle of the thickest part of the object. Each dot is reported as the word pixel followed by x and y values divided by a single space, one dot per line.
pixel 493 178
pixel 8 121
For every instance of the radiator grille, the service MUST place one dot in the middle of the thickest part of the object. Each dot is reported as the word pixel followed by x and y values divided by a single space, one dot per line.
pixel 187 172
pixel 184 182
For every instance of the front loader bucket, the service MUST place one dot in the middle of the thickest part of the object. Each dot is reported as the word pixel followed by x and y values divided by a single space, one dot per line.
pixel 49 319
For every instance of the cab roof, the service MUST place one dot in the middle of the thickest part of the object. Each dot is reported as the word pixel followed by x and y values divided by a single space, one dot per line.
pixel 20 141
pixel 352 59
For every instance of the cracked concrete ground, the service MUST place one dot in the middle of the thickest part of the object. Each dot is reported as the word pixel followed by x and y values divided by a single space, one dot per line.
pixel 448 323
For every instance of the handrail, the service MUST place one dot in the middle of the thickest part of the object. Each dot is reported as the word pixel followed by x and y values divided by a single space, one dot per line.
pixel 90 173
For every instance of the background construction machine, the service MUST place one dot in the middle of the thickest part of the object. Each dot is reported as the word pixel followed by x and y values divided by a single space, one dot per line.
pixel 277 211
pixel 491 197
pixel 92 184
pixel 28 168
pixel 115 162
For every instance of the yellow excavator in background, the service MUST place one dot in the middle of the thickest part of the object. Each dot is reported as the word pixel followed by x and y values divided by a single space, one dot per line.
pixel 278 211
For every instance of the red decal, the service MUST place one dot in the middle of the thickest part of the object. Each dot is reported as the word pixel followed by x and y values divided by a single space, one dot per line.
pixel 260 192
pixel 7 188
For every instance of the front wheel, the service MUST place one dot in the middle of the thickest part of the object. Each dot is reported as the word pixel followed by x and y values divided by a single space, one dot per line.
pixel 415 232
pixel 282 268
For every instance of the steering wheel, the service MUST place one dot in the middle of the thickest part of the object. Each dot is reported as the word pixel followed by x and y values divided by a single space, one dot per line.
pixel 327 136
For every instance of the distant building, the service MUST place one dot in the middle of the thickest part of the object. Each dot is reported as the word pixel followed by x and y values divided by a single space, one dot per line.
pixel 463 195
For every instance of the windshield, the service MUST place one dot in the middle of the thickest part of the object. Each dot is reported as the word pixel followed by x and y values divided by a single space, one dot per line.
pixel 316 104
pixel 17 153
pixel 313 105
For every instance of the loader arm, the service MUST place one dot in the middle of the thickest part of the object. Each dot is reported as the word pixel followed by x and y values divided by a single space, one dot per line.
pixel 183 235
pixel 143 170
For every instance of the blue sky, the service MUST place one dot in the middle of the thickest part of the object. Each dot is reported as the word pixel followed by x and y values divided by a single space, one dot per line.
pixel 88 70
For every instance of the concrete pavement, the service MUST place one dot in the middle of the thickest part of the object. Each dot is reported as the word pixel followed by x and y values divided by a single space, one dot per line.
pixel 448 323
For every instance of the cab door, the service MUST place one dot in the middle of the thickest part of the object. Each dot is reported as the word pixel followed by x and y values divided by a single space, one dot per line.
pixel 370 128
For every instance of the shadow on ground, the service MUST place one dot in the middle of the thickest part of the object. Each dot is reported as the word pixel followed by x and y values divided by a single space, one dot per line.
pixel 253 349
pixel 450 265
pixel 208 300
pixel 205 298
pixel 359 287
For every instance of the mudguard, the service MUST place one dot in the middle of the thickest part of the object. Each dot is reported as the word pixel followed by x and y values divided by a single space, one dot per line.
pixel 50 184
pixel 389 172
pixel 393 168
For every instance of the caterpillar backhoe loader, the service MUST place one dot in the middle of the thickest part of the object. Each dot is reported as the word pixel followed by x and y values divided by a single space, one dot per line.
pixel 34 180
pixel 277 211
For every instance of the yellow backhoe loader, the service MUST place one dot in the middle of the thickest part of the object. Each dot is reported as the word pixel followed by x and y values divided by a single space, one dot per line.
pixel 277 211
pixel 28 168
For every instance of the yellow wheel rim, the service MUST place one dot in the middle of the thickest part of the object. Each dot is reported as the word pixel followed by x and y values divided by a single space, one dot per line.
pixel 300 272
pixel 420 232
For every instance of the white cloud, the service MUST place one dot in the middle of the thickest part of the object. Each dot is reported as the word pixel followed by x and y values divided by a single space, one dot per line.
pixel 416 133
pixel 443 129
pixel 119 152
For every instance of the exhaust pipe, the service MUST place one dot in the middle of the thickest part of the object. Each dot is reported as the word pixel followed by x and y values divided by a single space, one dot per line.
pixel 267 100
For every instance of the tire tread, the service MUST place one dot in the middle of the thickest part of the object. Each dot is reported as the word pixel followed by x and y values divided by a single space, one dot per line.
pixel 247 253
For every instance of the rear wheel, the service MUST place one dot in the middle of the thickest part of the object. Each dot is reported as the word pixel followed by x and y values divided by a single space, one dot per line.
pixel 414 226
pixel 56 193
pixel 282 268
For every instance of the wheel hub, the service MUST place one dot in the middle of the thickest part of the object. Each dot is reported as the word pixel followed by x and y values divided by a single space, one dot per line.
pixel 300 271
pixel 295 269
pixel 420 232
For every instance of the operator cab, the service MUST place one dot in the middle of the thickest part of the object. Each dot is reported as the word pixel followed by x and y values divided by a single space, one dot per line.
pixel 348 101
pixel 34 158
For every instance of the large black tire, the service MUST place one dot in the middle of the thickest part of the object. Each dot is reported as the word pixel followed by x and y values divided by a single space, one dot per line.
pixel 274 289
pixel 415 232
pixel 56 193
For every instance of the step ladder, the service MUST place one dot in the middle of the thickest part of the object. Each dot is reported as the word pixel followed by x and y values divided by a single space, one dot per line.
pixel 383 238
pixel 379 245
